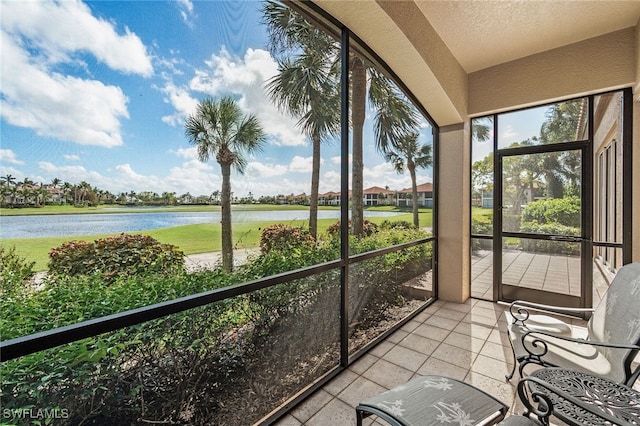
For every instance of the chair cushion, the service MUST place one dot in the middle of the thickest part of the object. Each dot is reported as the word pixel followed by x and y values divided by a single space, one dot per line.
pixel 426 398
pixel 544 323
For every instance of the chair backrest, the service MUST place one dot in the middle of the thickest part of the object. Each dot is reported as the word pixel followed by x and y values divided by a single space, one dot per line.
pixel 617 319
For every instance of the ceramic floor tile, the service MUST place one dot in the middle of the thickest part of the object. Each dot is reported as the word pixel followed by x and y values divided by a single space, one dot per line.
pixel 420 344
pixel 442 368
pixel 406 358
pixel 311 405
pixel 432 332
pixel 464 341
pixel 360 390
pixel 335 413
pixel 461 357
pixel 387 374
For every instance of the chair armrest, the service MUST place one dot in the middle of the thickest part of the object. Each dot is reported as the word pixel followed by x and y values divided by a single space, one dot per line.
pixel 545 405
pixel 575 340
pixel 520 313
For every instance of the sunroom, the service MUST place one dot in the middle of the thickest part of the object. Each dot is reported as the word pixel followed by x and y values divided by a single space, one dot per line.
pixel 514 109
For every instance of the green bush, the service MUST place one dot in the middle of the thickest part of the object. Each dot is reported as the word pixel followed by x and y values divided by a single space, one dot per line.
pixel 368 228
pixel 564 211
pixel 15 271
pixel 282 237
pixel 546 246
pixel 388 224
pixel 180 369
pixel 123 255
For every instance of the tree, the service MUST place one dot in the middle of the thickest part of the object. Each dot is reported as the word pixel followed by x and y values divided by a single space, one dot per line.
pixel 407 154
pixel 307 84
pixel 563 168
pixel 219 130
pixel 9 181
pixel 290 32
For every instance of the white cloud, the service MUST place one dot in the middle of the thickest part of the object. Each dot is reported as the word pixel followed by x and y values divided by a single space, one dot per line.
pixel 338 159
pixel 188 153
pixel 186 11
pixel 182 101
pixel 261 170
pixel 8 156
pixel 301 164
pixel 71 157
pixel 245 77
pixel 38 37
pixel 50 104
pixel 510 133
pixel 60 28
pixel 330 181
pixel 73 174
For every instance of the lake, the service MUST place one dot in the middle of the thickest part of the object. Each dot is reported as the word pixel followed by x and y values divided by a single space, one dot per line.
pixel 115 223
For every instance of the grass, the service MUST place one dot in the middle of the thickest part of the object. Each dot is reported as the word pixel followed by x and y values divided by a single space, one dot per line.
pixel 191 239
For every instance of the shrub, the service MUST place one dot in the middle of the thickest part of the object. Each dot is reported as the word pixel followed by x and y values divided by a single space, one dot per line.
pixel 563 211
pixel 368 228
pixel 545 246
pixel 122 255
pixel 282 237
pixel 398 224
pixel 15 271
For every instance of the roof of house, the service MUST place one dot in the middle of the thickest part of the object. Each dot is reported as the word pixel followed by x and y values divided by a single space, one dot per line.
pixel 425 187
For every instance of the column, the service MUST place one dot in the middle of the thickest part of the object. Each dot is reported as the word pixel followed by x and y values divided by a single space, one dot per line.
pixel 454 208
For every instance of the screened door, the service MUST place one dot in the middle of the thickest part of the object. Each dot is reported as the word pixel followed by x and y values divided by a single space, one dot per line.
pixel 543 242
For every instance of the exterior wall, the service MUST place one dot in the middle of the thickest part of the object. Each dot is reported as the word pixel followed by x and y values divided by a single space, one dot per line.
pixel 608 181
pixel 454 214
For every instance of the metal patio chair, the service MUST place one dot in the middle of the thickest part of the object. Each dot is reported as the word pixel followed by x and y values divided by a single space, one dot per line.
pixel 612 342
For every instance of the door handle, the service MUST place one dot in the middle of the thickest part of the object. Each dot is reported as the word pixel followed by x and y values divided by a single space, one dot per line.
pixel 565 238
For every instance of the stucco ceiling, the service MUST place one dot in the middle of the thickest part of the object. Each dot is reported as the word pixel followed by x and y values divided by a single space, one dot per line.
pixel 483 33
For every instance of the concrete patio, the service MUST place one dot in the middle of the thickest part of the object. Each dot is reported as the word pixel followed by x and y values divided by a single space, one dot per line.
pixel 464 341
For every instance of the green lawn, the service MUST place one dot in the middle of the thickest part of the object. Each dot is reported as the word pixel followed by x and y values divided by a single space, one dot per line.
pixel 191 239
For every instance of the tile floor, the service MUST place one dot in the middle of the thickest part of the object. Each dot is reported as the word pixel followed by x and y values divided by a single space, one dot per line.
pixel 465 341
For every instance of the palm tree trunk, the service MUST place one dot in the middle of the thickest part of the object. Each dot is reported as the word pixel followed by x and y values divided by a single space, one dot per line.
pixel 315 183
pixel 358 104
pixel 414 193
pixel 227 245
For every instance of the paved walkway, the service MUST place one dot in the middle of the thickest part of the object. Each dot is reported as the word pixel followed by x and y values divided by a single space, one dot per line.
pixel 210 260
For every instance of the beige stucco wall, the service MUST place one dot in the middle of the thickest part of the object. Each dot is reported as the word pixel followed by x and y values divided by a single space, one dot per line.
pixel 415 52
pixel 454 209
pixel 590 66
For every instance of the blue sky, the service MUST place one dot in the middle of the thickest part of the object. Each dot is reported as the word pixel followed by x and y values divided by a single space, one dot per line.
pixel 99 91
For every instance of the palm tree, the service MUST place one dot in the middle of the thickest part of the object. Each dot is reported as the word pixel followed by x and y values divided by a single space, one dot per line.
pixel 10 180
pixel 219 130
pixel 317 106
pixel 306 84
pixel 407 153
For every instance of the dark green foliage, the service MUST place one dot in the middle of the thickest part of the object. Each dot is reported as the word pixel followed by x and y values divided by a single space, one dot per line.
pixel 125 255
pixel 545 246
pixel 197 366
pixel 555 216
pixel 563 211
pixel 376 284
pixel 368 228
pixel 284 238
pixel 400 224
pixel 15 271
